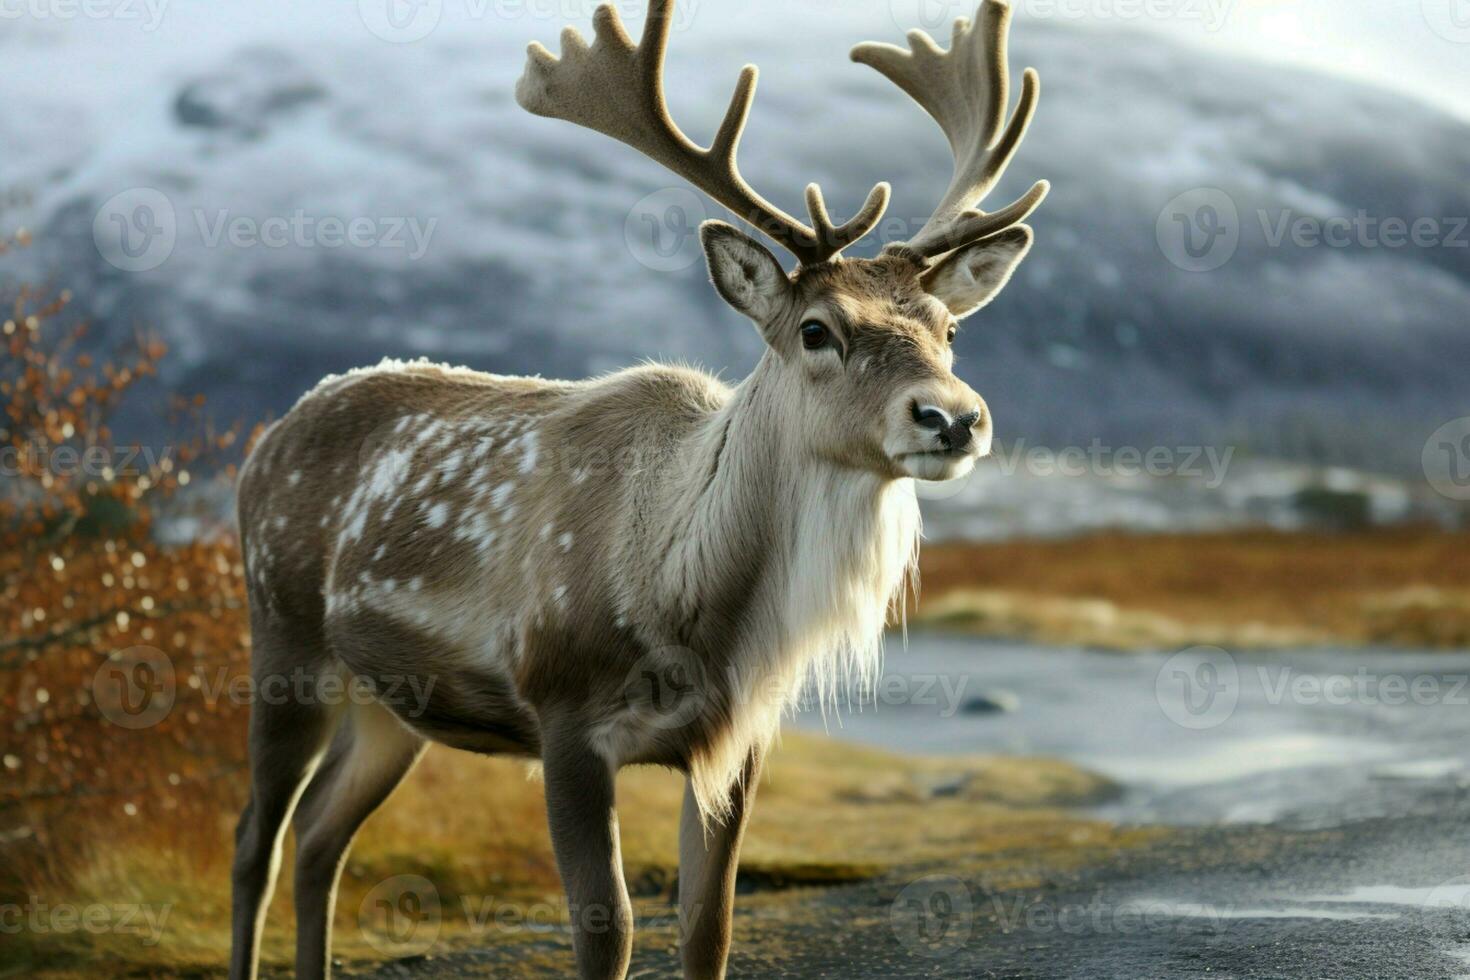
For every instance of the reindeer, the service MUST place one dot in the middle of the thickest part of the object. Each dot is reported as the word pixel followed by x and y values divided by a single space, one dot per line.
pixel 554 561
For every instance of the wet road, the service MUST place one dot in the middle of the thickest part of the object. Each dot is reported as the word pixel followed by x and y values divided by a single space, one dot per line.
pixel 1323 801
pixel 1320 804
pixel 1204 737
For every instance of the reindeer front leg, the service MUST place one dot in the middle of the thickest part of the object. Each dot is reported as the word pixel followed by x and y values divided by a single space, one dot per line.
pixel 584 834
pixel 707 862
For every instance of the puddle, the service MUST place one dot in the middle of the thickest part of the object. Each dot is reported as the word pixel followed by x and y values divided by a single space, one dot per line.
pixel 1306 738
pixel 1423 769
pixel 1233 759
pixel 1198 910
pixel 1449 895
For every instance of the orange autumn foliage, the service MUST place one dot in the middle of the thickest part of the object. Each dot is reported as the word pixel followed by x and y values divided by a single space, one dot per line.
pixel 115 649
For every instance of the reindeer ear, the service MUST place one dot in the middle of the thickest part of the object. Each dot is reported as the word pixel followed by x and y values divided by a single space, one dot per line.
pixel 970 277
pixel 744 272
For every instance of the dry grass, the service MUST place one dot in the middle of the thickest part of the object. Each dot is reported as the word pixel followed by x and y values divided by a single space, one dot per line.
pixel 475 828
pixel 1407 587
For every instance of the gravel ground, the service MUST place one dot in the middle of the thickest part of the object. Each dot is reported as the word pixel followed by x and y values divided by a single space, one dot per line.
pixel 1242 904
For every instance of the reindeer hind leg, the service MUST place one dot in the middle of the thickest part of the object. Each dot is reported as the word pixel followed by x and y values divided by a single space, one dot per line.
pixel 372 753
pixel 288 736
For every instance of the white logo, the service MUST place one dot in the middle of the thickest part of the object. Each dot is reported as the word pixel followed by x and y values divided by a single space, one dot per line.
pixel 933 16
pixel 400 916
pixel 1447 459
pixel 1199 230
pixel 667 688
pixel 400 21
pixel 135 688
pixel 136 229
pixel 1450 19
pixel 662 230
pixel 934 916
pixel 1198 688
pixel 1445 906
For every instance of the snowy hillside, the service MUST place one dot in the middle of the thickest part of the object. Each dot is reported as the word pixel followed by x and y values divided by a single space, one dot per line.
pixel 256 135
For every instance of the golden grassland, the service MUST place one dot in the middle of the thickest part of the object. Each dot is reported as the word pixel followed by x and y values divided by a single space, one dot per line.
pixel 1402 587
pixel 93 816
pixel 827 813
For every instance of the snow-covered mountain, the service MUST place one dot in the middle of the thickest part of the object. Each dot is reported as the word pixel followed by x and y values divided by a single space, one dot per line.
pixel 282 192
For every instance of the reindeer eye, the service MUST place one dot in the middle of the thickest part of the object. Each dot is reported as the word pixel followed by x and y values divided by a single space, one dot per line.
pixel 813 335
pixel 949 334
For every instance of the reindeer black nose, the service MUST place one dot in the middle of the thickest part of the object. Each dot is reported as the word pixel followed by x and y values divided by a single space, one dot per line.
pixel 961 430
pixel 954 433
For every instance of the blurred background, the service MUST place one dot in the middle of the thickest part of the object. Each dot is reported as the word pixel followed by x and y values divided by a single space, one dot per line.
pixel 1229 382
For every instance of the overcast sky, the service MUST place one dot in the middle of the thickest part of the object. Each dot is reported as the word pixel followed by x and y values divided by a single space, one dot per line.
pixel 1418 46
pixel 331 108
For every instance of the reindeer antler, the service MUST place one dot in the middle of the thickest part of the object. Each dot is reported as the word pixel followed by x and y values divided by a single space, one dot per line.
pixel 616 88
pixel 965 90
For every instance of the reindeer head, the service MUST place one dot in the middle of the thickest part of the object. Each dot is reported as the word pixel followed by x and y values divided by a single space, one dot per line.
pixel 862 346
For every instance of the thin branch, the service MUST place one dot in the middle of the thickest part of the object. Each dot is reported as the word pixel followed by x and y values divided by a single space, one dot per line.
pixel 63 634
pixel 82 792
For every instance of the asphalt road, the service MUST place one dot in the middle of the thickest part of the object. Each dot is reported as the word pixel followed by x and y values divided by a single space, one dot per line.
pixel 1211 904
pixel 1314 835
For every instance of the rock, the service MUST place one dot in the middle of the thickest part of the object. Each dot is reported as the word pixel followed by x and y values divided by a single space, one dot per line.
pixel 991 702
pixel 244 95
